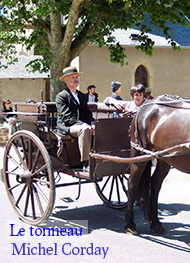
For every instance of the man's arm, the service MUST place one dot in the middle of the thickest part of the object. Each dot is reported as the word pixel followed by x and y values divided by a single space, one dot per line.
pixel 118 104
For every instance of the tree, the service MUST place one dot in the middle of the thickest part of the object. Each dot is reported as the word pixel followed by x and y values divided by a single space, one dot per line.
pixel 62 29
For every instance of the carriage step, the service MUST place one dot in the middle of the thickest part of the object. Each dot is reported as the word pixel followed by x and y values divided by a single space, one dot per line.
pixel 78 173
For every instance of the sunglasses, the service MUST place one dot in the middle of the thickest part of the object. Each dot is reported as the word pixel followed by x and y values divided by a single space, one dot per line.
pixel 8 103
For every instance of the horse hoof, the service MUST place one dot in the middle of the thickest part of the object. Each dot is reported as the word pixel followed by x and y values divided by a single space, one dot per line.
pixel 158 229
pixel 130 231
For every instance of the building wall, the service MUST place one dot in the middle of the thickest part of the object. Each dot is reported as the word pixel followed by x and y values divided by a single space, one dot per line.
pixel 168 71
pixel 19 90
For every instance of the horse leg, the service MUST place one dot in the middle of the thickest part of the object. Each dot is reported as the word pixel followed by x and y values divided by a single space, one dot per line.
pixel 156 180
pixel 133 184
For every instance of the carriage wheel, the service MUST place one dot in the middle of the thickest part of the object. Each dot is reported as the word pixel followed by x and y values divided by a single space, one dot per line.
pixel 113 190
pixel 28 177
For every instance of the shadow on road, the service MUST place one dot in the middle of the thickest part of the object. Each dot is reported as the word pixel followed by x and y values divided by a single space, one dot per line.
pixel 97 216
pixel 176 231
pixel 103 217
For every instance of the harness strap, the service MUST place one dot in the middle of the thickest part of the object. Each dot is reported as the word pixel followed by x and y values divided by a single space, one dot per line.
pixel 176 150
pixel 137 147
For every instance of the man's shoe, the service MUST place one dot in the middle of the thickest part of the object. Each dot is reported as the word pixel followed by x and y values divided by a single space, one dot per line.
pixel 85 164
pixel 86 169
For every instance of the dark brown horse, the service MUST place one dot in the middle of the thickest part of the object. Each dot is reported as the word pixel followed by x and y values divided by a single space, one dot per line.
pixel 160 124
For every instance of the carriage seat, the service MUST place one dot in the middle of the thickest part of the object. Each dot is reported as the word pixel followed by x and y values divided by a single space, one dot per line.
pixel 100 110
pixel 65 137
pixel 29 115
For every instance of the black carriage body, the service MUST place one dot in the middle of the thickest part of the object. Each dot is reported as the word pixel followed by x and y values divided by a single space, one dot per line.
pixel 111 137
pixel 41 151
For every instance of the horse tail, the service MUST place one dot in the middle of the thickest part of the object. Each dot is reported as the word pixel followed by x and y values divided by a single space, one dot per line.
pixel 143 198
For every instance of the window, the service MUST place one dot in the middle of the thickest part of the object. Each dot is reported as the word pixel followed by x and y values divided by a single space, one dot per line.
pixel 141 76
pixel 134 37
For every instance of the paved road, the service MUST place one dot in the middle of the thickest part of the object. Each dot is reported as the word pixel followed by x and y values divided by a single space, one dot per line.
pixel 102 229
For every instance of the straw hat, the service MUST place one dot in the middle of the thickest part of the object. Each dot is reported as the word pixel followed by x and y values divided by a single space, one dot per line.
pixel 70 71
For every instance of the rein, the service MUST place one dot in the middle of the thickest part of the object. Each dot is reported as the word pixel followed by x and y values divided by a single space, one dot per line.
pixel 177 150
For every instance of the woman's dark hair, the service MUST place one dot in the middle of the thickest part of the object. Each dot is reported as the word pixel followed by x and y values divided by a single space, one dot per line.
pixel 137 88
pixel 4 102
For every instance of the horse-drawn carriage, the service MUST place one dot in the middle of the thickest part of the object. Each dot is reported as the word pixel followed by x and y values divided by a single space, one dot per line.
pixel 36 154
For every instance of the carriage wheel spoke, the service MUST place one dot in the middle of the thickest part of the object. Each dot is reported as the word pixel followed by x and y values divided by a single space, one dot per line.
pixel 111 190
pixel 20 196
pixel 41 181
pixel 12 173
pixel 15 162
pixel 117 188
pixel 40 170
pixel 13 187
pixel 122 183
pixel 105 184
pixel 24 150
pixel 35 160
pixel 30 155
pixel 38 200
pixel 26 202
pixel 19 156
pixel 32 201
pixel 124 177
pixel 42 193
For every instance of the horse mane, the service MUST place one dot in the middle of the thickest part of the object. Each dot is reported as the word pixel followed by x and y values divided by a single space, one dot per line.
pixel 168 97
pixel 166 100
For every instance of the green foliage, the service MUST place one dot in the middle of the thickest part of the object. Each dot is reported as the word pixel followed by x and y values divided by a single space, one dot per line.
pixel 95 21
pixel 146 44
pixel 117 54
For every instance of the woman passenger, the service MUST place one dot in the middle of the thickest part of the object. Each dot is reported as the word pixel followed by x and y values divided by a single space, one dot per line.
pixel 9 119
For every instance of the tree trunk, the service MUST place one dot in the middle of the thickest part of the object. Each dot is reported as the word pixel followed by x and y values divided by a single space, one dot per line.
pixel 55 87
pixel 56 70
pixel 61 49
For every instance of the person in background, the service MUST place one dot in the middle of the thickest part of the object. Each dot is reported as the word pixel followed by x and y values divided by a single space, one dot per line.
pixel 74 116
pixel 91 96
pixel 8 119
pixel 116 90
pixel 148 95
pixel 137 93
pixel 30 100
